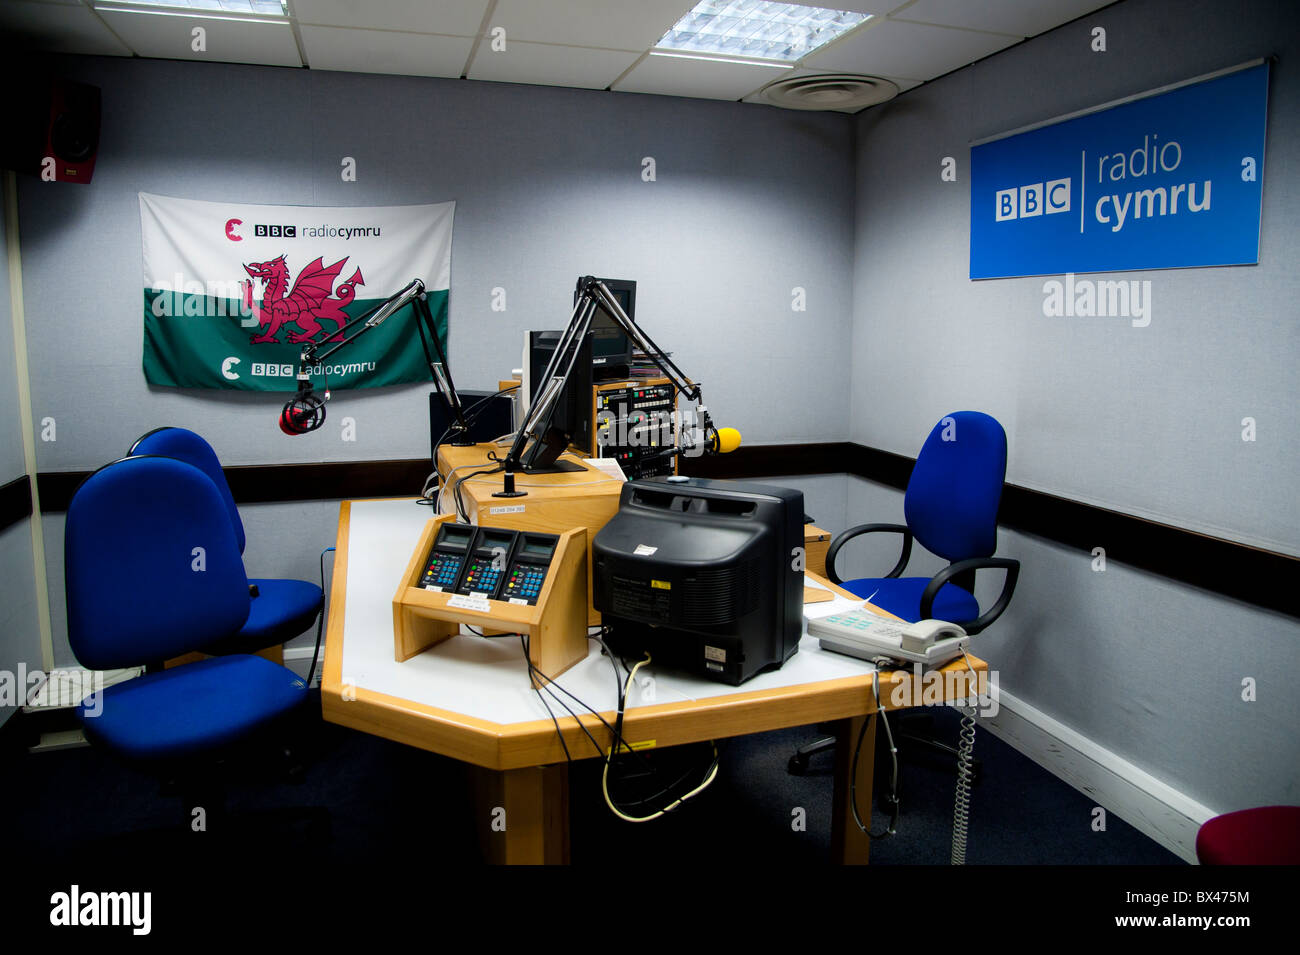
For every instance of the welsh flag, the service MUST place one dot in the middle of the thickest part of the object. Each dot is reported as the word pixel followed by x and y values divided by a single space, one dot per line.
pixel 233 291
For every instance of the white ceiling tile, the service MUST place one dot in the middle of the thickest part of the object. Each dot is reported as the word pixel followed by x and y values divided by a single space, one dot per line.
pixel 911 50
pixel 550 65
pixel 454 17
pixel 227 41
pixel 611 24
pixel 678 76
pixel 383 51
pixel 58 28
pixel 1001 16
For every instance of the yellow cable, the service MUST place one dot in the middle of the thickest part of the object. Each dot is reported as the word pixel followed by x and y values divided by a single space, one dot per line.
pixel 604 776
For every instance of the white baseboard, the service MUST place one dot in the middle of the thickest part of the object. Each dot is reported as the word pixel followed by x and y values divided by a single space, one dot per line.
pixel 1154 808
pixel 298 659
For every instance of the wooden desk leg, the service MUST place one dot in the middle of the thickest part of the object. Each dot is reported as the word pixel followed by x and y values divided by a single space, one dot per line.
pixel 522 815
pixel 849 844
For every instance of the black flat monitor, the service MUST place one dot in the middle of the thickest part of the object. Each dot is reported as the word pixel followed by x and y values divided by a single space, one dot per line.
pixel 611 349
pixel 570 418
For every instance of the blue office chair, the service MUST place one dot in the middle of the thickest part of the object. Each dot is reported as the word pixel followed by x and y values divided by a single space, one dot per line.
pixel 281 608
pixel 951 508
pixel 153 571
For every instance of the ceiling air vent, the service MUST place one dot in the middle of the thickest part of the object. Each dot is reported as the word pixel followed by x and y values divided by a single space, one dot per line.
pixel 843 91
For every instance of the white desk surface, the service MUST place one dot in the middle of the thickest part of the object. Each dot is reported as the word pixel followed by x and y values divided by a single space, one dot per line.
pixel 487 677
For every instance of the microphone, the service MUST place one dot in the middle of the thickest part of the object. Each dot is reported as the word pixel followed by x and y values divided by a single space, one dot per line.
pixel 723 441
pixel 717 440
pixel 304 412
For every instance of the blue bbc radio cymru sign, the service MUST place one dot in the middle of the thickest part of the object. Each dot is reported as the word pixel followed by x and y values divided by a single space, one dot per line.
pixel 1173 180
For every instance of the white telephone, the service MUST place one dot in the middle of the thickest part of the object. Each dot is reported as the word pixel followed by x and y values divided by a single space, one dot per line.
pixel 861 633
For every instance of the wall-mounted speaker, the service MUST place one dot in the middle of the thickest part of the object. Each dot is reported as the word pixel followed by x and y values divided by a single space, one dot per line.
pixel 54 132
pixel 72 130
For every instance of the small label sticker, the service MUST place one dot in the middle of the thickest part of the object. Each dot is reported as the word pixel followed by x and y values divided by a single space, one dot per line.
pixel 661 584
pixel 634 746
pixel 519 600
pixel 436 588
pixel 644 550
pixel 464 602
pixel 507 509
pixel 715 653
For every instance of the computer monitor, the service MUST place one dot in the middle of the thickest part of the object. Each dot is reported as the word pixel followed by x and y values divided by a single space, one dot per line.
pixel 611 349
pixel 704 575
pixel 570 418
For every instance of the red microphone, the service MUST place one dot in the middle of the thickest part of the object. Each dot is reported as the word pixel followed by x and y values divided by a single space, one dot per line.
pixel 304 412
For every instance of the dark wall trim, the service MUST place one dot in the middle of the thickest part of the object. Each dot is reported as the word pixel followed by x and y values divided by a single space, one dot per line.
pixel 15 502
pixel 268 483
pixel 1239 571
pixel 1264 578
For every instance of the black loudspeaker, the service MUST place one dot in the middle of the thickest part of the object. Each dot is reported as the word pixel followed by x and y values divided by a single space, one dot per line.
pixel 55 131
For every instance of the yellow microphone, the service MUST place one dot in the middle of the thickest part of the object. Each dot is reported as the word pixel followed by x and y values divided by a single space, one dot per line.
pixel 725 440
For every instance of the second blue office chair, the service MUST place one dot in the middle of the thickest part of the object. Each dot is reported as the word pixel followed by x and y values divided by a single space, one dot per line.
pixel 281 608
pixel 951 508
pixel 153 572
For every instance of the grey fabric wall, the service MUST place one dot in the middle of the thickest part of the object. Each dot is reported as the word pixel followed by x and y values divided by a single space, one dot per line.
pixel 749 202
pixel 1143 420
pixel 1147 668
pixel 19 630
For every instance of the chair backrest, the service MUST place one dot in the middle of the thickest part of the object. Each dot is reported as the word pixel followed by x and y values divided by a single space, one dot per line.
pixel 151 564
pixel 953 494
pixel 184 445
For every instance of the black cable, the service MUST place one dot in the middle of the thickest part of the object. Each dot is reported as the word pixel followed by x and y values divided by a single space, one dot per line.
pixel 455 493
pixel 565 746
pixel 472 414
pixel 320 620
pixel 895 808
pixel 617 742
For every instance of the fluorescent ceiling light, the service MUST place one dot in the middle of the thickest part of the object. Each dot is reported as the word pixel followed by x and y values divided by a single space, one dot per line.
pixel 273 8
pixel 756 28
pixel 712 58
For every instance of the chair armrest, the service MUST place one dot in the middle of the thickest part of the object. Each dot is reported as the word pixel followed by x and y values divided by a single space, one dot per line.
pixel 1012 567
pixel 937 581
pixel 845 536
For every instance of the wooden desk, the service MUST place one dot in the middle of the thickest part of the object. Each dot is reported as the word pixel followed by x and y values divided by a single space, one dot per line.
pixel 816 543
pixel 470 698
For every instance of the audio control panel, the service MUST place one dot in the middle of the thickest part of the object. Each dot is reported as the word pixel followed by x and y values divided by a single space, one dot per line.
pixel 489 562
pixel 635 422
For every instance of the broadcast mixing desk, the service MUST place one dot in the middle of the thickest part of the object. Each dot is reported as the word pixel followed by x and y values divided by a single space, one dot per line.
pixel 470 698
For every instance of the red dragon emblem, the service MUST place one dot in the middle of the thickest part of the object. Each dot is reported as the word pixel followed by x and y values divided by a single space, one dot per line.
pixel 306 303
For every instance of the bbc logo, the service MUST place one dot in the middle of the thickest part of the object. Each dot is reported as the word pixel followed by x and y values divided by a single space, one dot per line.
pixel 276 231
pixel 1032 200
pixel 264 370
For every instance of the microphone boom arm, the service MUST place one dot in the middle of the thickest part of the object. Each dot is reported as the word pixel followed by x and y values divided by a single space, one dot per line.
pixel 592 293
pixel 413 293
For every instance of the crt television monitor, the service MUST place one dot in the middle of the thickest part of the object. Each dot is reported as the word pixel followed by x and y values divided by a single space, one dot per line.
pixel 703 575
pixel 611 349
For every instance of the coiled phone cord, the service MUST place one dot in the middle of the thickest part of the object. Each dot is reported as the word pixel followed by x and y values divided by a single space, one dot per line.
pixel 965 774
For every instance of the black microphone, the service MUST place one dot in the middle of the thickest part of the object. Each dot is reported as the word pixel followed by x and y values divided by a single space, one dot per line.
pixel 304 412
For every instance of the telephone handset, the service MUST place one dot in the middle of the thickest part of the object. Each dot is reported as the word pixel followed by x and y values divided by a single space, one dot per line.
pixel 861 633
